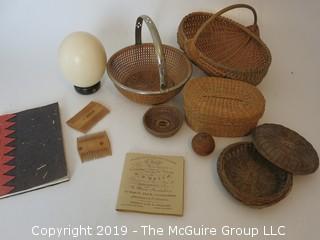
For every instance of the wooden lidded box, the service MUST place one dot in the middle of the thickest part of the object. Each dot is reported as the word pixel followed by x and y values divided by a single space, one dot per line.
pixel 222 107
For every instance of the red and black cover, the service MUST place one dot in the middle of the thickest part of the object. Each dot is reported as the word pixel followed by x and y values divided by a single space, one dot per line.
pixel 31 150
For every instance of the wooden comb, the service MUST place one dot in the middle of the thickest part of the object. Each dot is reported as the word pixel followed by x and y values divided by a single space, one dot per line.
pixel 84 120
pixel 93 146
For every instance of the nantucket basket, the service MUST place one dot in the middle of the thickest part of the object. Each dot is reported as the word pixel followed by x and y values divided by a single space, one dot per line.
pixel 222 107
pixel 224 48
pixel 149 73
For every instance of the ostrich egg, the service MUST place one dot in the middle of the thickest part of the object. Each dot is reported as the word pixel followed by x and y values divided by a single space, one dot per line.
pixel 82 59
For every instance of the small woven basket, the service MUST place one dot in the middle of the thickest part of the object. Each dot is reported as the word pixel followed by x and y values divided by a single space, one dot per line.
pixel 149 73
pixel 222 107
pixel 224 48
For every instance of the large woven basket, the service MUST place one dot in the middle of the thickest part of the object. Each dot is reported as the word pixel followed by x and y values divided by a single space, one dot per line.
pixel 222 47
pixel 149 73
pixel 222 107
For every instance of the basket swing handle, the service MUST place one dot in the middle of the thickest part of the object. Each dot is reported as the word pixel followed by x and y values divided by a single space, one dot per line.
pixel 157 45
pixel 222 11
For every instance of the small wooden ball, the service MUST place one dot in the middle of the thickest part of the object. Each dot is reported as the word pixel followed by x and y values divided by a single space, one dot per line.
pixel 203 144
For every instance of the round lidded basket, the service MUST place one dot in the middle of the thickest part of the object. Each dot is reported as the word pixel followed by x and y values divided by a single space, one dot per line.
pixel 149 73
pixel 222 107
pixel 250 178
pixel 224 48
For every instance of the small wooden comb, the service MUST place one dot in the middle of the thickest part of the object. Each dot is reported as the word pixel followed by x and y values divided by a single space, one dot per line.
pixel 93 146
pixel 84 120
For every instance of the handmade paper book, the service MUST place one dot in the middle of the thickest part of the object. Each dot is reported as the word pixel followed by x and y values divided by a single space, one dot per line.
pixel 152 184
pixel 31 150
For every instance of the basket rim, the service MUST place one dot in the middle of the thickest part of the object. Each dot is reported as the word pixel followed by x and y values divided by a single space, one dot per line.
pixel 215 63
pixel 142 92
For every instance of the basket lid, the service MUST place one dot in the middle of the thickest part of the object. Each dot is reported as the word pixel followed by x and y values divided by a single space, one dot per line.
pixel 250 178
pixel 224 99
pixel 286 149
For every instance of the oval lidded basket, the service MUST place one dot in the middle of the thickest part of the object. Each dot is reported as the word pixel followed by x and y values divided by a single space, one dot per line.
pixel 149 73
pixel 222 107
pixel 224 48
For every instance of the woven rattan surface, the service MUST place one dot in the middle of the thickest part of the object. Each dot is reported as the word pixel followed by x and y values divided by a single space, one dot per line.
pixel 250 178
pixel 163 121
pixel 222 107
pixel 223 47
pixel 136 68
pixel 286 148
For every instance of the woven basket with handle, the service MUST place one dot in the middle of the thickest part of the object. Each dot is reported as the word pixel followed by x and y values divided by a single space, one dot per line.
pixel 149 73
pixel 222 47
pixel 222 107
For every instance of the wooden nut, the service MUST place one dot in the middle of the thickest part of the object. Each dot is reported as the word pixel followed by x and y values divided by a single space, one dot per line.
pixel 203 144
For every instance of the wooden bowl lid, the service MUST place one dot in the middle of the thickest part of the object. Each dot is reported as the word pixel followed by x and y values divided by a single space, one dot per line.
pixel 250 178
pixel 286 149
pixel 163 121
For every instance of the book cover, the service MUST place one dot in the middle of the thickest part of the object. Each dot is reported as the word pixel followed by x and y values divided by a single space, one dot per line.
pixel 31 150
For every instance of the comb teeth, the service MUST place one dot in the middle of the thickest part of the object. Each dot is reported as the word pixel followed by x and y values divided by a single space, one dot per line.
pixel 94 146
pixel 94 155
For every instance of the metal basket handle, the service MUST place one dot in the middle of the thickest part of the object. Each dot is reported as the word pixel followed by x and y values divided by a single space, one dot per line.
pixel 219 13
pixel 157 45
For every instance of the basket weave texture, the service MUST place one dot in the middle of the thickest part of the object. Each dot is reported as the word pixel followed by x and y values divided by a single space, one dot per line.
pixel 224 48
pixel 136 67
pixel 222 107
pixel 286 149
pixel 251 178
